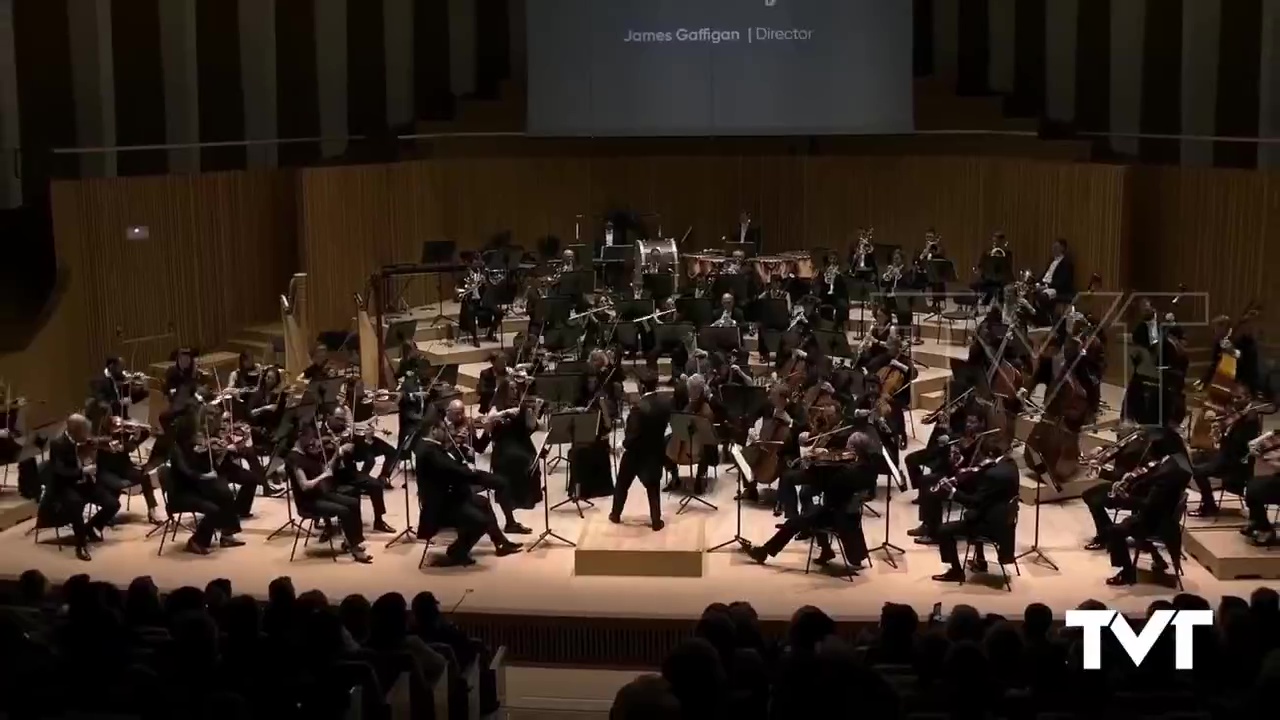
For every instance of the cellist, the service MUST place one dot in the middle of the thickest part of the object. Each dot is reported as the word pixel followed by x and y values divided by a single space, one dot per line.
pixel 894 371
pixel 680 451
pixel 778 425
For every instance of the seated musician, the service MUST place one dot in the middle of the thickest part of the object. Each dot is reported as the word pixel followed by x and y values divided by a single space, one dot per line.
pixel 1262 491
pixel 460 443
pixel 114 390
pixel 894 362
pixel 447 496
pixel 644 449
pixel 936 452
pixel 181 380
pixel 1057 287
pixel 833 292
pixel 116 470
pixel 697 401
pixel 984 489
pixel 489 379
pixel 1237 340
pixel 986 287
pixel 413 405
pixel 411 358
pixel 787 415
pixel 730 314
pixel 1164 481
pixel 476 311
pixel 932 251
pixel 348 478
pixel 841 484
pixel 312 476
pixel 1232 463
pixel 777 292
pixel 862 259
pixel 895 279
pixel 1128 454
pixel 944 461
pixel 795 493
pixel 194 486
pixel 73 484
pixel 319 367
pixel 247 373
pixel 877 337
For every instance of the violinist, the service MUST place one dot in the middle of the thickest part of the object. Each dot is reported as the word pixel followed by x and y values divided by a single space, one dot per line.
pixel 590 468
pixel 413 403
pixel 194 486
pixel 1156 514
pixel 937 451
pixel 490 377
pixel 842 481
pixel 511 423
pixel 985 487
pixel 116 470
pixel 795 491
pixel 447 494
pixel 247 375
pixel 116 389
pixel 1129 453
pixel 785 417
pixel 311 473
pixel 833 292
pixel 644 450
pixel 947 458
pixel 319 368
pixel 1231 463
pixel 697 401
pixel 1263 490
pixel 461 432
pixel 411 358
pixel 73 484
pixel 345 443
pixel 181 380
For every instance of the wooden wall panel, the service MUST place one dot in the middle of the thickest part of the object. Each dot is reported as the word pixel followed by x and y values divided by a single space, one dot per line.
pixel 221 249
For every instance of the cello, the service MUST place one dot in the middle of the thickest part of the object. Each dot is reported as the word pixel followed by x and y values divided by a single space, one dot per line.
pixel 679 449
pixel 775 431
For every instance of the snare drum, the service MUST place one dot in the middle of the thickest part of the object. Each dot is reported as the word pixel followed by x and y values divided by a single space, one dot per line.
pixel 768 266
pixel 801 263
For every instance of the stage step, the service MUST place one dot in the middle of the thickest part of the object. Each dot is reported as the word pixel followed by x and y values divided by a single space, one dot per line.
pixel 263 351
pixel 1228 555
pixel 633 549
pixel 14 508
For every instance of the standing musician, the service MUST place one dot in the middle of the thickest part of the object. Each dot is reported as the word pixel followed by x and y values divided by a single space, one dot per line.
pixel 73 484
pixel 490 378
pixel 311 471
pixel 446 493
pixel 988 288
pixel 413 404
pixel 1234 340
pixel 785 417
pixel 1165 480
pixel 348 478
pixel 1142 393
pixel 862 259
pixel 746 232
pixel 833 292
pixel 1233 462
pixel 117 472
pixel 1112 464
pixel 697 401
pixel 568 262
pixel 1263 490
pixel 1057 287
pixel 985 488
pixel 590 466
pixel 893 279
pixel 511 424
pixel 644 450
pixel 842 478
pixel 195 485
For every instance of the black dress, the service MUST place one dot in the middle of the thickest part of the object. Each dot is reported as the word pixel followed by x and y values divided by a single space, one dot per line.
pixel 590 470
pixel 513 456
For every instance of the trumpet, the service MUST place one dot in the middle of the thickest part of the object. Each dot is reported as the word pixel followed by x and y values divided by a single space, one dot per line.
pixel 892 275
pixel 726 320
pixel 999 250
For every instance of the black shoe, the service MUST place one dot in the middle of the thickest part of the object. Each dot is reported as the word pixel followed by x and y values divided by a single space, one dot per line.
pixel 381 526
pixel 272 491
pixel 246 516
pixel 824 557
pixel 749 495
pixel 802 536
pixel 918 531
pixel 1204 511
pixel 955 575
pixel 615 519
pixel 1096 544
pixel 657 525
pixel 387 484
pixel 196 548
pixel 82 553
pixel 759 554
pixel 510 548
pixel 1263 538
pixel 978 566
pixel 449 560
pixel 92 535
pixel 347 547
pixel 515 528
pixel 925 540
pixel 915 500
pixel 362 557
pixel 1159 565
pixel 230 541
pixel 1124 577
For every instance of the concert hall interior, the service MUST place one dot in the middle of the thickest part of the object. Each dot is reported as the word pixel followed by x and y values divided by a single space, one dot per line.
pixel 361 323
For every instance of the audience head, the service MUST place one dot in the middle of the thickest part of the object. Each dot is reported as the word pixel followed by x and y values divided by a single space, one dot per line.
pixel 964 624
pixel 184 600
pixel 1037 621
pixel 809 626
pixel 280 591
pixel 648 697
pixel 356 614
pixel 33 588
pixel 697 677
pixel 142 603
pixel 426 609
pixel 389 621
pixel 242 619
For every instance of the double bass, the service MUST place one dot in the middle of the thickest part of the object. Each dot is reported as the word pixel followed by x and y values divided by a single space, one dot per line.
pixel 1221 391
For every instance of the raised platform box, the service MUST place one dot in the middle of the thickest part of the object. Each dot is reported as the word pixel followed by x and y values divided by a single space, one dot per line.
pixel 633 549
pixel 1228 555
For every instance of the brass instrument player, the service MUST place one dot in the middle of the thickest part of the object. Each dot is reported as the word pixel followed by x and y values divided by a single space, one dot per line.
pixel 984 488
pixel 988 288
pixel 842 478
pixel 475 309
pixel 893 279
pixel 833 292
pixel 932 251
pixel 73 484
pixel 862 258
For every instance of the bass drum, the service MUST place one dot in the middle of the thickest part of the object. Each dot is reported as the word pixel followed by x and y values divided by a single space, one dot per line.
pixel 801 263
pixel 656 251
pixel 768 266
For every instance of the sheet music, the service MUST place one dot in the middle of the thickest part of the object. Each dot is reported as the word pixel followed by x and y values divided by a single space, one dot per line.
pixel 735 452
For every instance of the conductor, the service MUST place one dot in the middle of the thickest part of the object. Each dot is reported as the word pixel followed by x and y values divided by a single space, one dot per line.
pixel 446 495
pixel 643 451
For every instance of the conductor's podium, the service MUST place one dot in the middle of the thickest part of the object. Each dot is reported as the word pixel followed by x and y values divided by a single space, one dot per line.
pixel 633 549
pixel 1228 555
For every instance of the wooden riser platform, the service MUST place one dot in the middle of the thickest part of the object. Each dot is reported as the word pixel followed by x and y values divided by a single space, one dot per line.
pixel 633 549
pixel 14 509
pixel 1228 555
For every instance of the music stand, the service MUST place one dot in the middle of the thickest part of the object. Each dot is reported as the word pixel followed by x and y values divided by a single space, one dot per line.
pixel 744 478
pixel 547 532
pixel 553 311
pixel 559 390
pixel 833 343
pixel 698 432
pixel 772 314
pixel 658 285
pixel 669 335
pixel 579 429
pixel 698 311
pixel 577 283
pixel 743 401
pixel 748 248
pixel 885 465
pixel 439 252
pixel 403 453
pixel 726 339
pixel 735 285
pixel 996 269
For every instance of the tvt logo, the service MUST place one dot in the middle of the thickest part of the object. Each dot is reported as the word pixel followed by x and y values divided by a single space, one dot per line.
pixel 770 3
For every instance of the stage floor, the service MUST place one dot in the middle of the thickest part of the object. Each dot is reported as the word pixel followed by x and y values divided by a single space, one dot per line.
pixel 542 582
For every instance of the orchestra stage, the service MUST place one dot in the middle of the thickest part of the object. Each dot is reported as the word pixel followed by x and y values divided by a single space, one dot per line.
pixel 543 582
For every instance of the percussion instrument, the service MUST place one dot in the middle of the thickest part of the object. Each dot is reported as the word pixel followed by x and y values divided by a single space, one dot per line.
pixel 768 266
pixel 704 264
pixel 801 263
pixel 659 251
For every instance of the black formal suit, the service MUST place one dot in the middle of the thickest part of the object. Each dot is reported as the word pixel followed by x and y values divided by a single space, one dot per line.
pixel 190 491
pixel 1231 463
pixel 834 295
pixel 1156 514
pixel 106 394
pixel 1063 279
pixel 748 233
pixel 842 486
pixel 446 496
pixel 413 413
pixel 644 451
pixel 487 387
pixel 323 500
pixel 1142 394
pixel 1099 500
pixel 71 489
pixel 986 511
